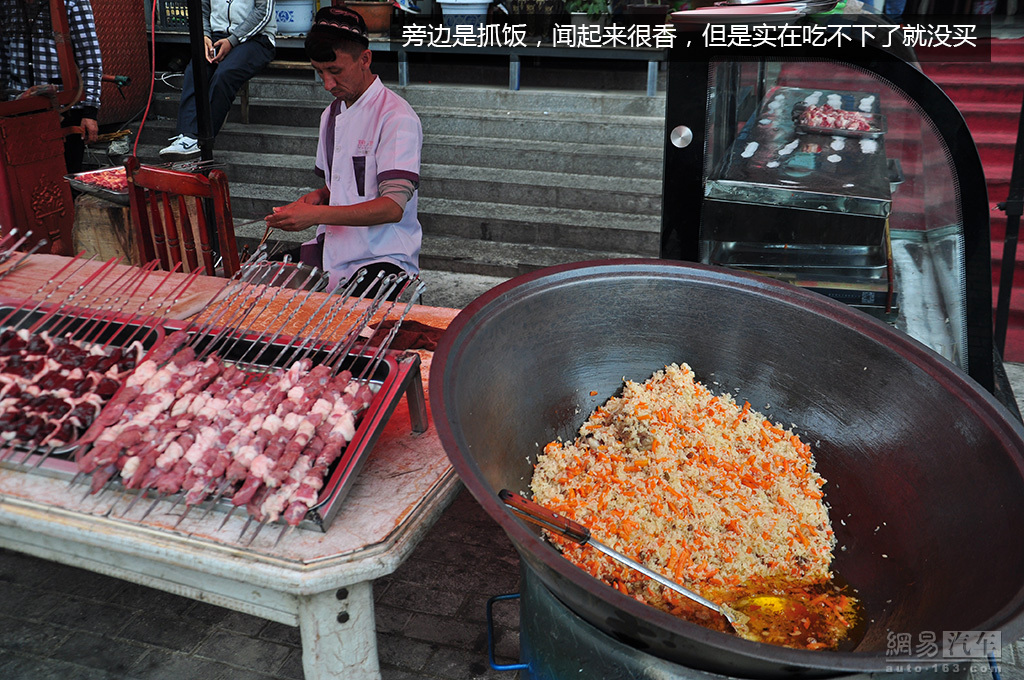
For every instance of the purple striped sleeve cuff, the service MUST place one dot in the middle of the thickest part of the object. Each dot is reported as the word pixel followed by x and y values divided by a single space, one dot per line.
pixel 398 174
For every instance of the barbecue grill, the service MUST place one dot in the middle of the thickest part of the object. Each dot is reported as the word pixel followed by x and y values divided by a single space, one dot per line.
pixel 925 469
pixel 241 331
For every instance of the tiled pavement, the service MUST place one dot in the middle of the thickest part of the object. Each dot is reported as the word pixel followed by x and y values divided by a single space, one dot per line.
pixel 63 623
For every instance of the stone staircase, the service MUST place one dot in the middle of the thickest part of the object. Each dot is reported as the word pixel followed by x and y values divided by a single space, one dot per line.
pixel 511 180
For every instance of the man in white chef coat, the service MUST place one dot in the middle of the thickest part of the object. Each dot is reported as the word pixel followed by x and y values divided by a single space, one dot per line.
pixel 368 155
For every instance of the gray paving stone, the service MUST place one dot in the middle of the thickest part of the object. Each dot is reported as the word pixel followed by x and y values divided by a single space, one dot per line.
pixel 91 586
pixel 90 615
pixel 100 653
pixel 242 624
pixel 139 596
pixel 22 569
pixel 30 637
pixel 403 653
pixel 390 619
pixel 31 602
pixel 165 631
pixel 445 630
pixel 243 651
pixel 505 612
pixel 281 634
pixel 453 577
pixel 506 645
pixel 419 599
pixel 21 667
pixel 291 669
pixel 162 665
pixel 206 613
pixel 449 662
pixel 387 673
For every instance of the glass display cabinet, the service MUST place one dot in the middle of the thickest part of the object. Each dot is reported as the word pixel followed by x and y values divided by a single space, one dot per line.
pixel 844 171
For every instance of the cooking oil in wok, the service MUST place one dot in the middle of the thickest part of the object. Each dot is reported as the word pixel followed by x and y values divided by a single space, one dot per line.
pixel 818 616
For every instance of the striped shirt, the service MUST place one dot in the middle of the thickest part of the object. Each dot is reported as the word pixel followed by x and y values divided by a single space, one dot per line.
pixel 28 55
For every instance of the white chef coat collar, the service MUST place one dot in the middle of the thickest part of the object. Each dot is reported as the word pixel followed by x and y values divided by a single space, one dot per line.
pixel 375 87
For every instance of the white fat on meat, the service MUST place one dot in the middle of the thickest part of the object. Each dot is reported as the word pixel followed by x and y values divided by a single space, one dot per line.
pixel 245 455
pixel 143 372
pixel 344 423
pixel 296 393
pixel 292 420
pixel 255 422
pixel 322 407
pixel 170 456
pixel 159 380
pixel 206 438
pixel 260 465
pixel 277 502
pixel 253 403
pixel 130 467
pixel 305 429
pixel 181 405
pixel 154 408
pixel 213 407
pixel 272 423
pixel 198 402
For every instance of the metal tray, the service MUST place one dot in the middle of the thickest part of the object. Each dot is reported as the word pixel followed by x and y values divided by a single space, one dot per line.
pixel 396 375
pixel 867 262
pixel 79 324
pixel 875 120
pixel 78 182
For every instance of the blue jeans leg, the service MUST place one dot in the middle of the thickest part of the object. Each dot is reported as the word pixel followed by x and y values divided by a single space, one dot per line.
pixel 226 79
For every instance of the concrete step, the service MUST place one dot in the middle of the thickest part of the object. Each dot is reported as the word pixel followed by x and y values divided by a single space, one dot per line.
pixel 532 187
pixel 643 131
pixel 472 256
pixel 582 158
pixel 638 235
pixel 305 89
pixel 438 120
pixel 270 140
pixel 250 200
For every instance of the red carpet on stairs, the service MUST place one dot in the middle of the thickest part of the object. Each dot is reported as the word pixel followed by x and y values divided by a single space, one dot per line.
pixel 990 96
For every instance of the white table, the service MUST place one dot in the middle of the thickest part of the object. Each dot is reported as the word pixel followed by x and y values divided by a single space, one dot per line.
pixel 320 582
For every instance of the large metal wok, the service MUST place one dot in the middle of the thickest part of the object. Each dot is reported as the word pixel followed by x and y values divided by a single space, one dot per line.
pixel 925 468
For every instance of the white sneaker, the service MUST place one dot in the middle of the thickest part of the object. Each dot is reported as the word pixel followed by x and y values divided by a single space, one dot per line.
pixel 181 148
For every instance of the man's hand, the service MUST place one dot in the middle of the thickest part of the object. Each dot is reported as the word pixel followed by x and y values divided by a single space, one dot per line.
pixel 221 49
pixel 209 50
pixel 294 216
pixel 90 130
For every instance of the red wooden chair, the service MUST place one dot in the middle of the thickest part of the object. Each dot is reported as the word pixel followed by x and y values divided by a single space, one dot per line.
pixel 168 216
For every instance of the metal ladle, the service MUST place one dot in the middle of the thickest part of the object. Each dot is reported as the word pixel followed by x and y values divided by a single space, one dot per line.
pixel 574 531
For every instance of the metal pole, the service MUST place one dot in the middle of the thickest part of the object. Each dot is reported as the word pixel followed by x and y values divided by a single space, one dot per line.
pixel 1013 207
pixel 200 78
pixel 201 86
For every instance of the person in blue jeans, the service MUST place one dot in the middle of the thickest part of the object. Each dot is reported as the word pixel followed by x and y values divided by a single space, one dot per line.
pixel 893 10
pixel 239 39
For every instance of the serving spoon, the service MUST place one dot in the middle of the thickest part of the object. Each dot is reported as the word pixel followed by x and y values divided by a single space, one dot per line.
pixel 574 531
